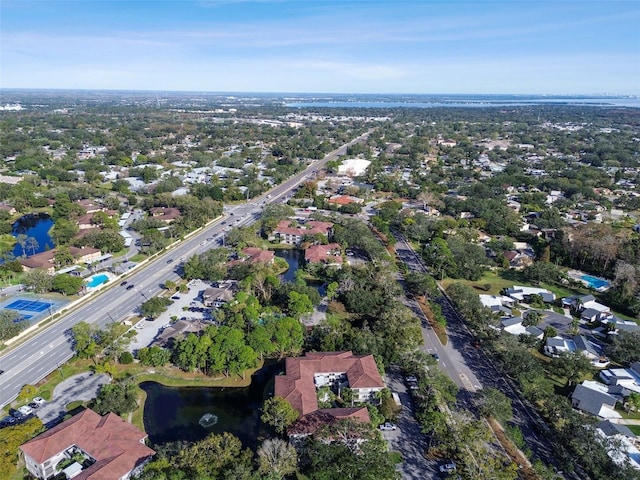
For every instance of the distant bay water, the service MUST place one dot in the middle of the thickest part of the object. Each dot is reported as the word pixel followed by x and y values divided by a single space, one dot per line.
pixel 461 101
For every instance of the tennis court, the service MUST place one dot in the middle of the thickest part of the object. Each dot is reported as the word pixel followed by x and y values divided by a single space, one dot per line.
pixel 29 305
pixel 32 309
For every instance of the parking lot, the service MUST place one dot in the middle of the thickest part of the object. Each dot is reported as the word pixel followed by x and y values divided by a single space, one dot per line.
pixel 185 306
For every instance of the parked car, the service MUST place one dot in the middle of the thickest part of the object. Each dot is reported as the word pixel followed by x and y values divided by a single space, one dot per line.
pixel 411 378
pixel 447 467
pixel 25 410
pixel 387 426
pixel 16 414
pixel 8 420
pixel 34 405
pixel 39 400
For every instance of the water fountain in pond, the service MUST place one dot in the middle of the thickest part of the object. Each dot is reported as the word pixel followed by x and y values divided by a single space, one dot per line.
pixel 208 420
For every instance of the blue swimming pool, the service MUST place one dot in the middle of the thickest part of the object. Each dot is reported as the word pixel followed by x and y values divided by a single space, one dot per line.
pixel 97 280
pixel 595 282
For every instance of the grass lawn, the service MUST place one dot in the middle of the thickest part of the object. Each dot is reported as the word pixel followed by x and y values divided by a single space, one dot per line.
pixel 501 279
pixel 634 428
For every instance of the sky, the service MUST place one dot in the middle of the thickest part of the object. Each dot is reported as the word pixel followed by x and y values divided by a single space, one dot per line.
pixel 323 46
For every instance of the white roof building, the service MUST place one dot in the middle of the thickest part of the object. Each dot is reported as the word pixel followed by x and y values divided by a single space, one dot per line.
pixel 354 167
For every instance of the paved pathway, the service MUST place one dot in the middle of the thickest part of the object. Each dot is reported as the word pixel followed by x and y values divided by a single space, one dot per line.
pixel 83 386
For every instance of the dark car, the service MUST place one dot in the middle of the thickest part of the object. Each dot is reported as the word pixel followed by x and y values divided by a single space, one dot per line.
pixel 34 405
pixel 123 283
pixel 436 356
pixel 130 287
pixel 1 372
pixel 170 261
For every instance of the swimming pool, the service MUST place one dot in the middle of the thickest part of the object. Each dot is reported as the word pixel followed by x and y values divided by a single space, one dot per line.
pixel 97 280
pixel 595 282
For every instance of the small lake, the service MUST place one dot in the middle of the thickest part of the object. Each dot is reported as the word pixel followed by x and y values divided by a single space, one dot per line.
pixel 295 259
pixel 176 413
pixel 37 226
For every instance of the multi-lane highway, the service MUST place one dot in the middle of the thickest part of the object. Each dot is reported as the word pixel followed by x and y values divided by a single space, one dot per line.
pixel 41 354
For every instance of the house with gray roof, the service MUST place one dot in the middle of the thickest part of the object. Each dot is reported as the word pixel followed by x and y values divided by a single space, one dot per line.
pixel 594 398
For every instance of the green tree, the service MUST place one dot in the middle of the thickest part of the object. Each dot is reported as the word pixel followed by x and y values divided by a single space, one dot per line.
pixel 154 356
pixel 496 404
pixel 11 439
pixel 278 413
pixel 625 348
pixel 37 280
pixel 154 307
pixel 84 340
pixel 66 284
pixel 572 365
pixel 10 326
pixel 299 304
pixel 119 398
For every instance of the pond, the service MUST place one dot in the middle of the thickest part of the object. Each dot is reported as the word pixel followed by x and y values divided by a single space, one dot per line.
pixel 191 413
pixel 34 226
pixel 295 260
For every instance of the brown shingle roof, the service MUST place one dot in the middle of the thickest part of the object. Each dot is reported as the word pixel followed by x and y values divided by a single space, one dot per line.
pixel 115 444
pixel 323 253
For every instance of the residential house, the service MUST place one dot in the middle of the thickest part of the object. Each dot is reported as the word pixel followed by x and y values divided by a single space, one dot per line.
pixel 327 254
pixel 90 206
pixel 558 345
pixel 181 327
pixel 521 294
pixel 342 200
pixel 218 296
pixel 594 398
pixel 627 451
pixel 45 260
pixel 290 234
pixel 115 449
pixel 627 378
pixel 514 326
pixel 166 214
pixel 336 370
pixel 256 255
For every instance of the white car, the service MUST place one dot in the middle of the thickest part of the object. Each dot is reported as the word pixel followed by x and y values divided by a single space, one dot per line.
pixel 25 410
pixel 387 426
pixel 411 379
pixel 39 400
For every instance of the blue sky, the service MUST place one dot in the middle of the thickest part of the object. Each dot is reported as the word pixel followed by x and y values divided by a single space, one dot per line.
pixel 385 46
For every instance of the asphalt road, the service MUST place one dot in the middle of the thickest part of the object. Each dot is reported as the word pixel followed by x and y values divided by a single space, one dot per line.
pixel 35 358
pixel 484 372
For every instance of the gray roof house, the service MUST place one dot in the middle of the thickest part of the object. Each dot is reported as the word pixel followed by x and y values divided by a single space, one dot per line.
pixel 594 398
pixel 611 429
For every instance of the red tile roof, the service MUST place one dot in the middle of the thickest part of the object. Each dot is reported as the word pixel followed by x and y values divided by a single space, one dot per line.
pixel 298 387
pixel 323 253
pixel 309 424
pixel 309 228
pixel 115 444
pixel 258 255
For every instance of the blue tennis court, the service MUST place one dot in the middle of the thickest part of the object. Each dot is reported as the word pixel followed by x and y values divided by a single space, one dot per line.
pixel 29 305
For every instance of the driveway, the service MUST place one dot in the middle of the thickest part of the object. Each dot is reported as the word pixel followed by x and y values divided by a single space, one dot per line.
pixel 408 439
pixel 84 386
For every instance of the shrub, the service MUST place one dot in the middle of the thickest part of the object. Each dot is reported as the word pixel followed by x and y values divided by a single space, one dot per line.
pixel 126 358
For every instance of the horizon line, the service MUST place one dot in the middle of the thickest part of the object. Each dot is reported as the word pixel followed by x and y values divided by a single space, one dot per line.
pixel 231 92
